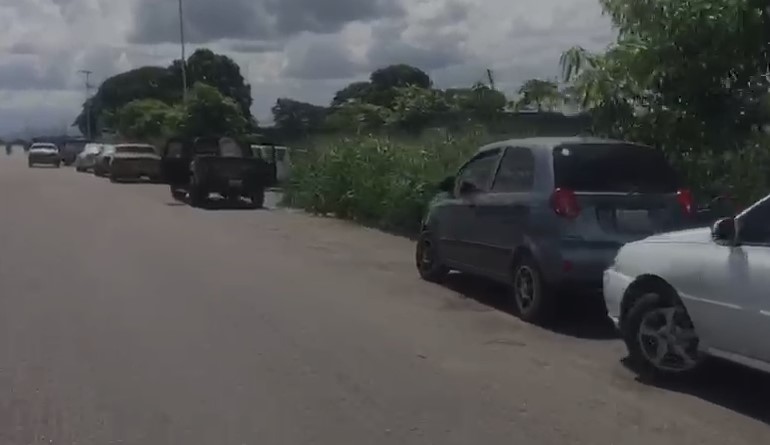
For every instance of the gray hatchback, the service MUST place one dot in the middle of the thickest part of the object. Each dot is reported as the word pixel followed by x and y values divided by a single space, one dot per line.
pixel 549 214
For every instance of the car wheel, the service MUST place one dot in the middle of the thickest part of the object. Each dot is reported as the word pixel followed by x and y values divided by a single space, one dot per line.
pixel 177 194
pixel 257 199
pixel 197 196
pixel 428 262
pixel 57 165
pixel 660 336
pixel 30 164
pixel 531 294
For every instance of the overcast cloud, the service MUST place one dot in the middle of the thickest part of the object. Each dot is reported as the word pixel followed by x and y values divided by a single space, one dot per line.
pixel 304 49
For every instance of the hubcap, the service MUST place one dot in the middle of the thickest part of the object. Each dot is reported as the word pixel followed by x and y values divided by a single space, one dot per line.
pixel 524 286
pixel 668 340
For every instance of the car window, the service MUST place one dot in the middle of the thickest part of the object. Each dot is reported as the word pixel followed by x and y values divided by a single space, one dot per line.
pixel 138 149
pixel 479 170
pixel 755 224
pixel 613 168
pixel 229 148
pixel 175 149
pixel 516 172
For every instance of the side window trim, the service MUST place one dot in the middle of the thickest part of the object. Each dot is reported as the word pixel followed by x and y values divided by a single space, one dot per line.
pixel 533 160
pixel 491 153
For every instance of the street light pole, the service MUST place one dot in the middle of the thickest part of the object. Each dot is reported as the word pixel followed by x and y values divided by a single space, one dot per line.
pixel 88 101
pixel 184 56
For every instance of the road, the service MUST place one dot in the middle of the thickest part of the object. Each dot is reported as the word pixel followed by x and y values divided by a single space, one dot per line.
pixel 126 318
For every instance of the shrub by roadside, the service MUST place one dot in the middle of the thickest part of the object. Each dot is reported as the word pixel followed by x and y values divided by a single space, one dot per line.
pixel 379 181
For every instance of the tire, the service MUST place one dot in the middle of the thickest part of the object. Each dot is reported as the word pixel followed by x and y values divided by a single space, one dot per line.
pixel 114 178
pixel 197 196
pixel 258 199
pixel 531 295
pixel 79 169
pixel 427 260
pixel 178 195
pixel 57 165
pixel 639 320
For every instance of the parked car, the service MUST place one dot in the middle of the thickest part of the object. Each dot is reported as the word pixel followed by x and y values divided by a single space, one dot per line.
pixel 71 148
pixel 196 169
pixel 85 159
pixel 680 297
pixel 547 214
pixel 44 153
pixel 102 161
pixel 134 161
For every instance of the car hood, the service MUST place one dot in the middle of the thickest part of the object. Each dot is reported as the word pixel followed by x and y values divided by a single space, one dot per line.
pixel 691 236
pixel 43 151
pixel 135 156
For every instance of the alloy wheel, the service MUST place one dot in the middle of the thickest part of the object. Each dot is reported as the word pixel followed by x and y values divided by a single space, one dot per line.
pixel 668 340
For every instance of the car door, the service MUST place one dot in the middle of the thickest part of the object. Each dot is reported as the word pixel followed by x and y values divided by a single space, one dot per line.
pixel 501 215
pixel 734 307
pixel 458 211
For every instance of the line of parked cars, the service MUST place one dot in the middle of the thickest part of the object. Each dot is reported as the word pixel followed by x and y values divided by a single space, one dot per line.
pixel 556 218
pixel 194 169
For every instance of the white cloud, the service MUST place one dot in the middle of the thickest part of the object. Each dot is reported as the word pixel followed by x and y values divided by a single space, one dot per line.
pixel 46 42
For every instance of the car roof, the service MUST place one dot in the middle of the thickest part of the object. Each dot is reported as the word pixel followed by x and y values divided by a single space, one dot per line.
pixel 43 144
pixel 549 143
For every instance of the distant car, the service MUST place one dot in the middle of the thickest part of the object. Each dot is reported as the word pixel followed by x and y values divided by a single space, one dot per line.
pixel 86 159
pixel 71 149
pixel 682 296
pixel 134 161
pixel 543 215
pixel 102 161
pixel 44 153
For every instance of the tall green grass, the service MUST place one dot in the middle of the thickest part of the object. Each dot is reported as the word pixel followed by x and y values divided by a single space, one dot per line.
pixel 380 181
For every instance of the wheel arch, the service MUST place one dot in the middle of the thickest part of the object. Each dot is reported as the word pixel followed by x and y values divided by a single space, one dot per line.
pixel 641 285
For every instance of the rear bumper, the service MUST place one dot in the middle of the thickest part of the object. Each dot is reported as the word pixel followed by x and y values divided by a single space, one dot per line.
pixel 39 159
pixel 134 170
pixel 579 265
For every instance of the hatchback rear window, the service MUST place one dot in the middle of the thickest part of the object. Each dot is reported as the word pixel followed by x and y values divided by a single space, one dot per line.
pixel 613 168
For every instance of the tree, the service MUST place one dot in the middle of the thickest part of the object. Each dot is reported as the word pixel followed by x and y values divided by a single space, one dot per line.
pixel 297 118
pixel 543 94
pixel 146 119
pixel 480 101
pixel 219 71
pixel 414 108
pixel 695 71
pixel 357 116
pixel 209 113
pixel 355 91
pixel 117 91
pixel 395 76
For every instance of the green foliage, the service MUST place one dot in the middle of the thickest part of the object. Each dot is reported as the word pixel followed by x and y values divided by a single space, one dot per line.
pixel 380 181
pixel 356 91
pixel 146 119
pixel 541 94
pixel 209 113
pixel 165 85
pixel 297 118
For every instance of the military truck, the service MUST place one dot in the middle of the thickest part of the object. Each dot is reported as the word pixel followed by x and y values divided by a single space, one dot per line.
pixel 196 169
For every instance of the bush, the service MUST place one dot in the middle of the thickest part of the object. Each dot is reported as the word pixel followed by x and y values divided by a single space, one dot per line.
pixel 379 181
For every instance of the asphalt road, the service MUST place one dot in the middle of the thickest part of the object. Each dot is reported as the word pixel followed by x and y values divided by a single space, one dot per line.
pixel 126 318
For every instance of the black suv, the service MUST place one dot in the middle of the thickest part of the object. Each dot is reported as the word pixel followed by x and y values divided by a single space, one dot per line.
pixel 196 169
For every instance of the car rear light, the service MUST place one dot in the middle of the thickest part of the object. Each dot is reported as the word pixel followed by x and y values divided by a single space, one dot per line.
pixel 685 199
pixel 564 203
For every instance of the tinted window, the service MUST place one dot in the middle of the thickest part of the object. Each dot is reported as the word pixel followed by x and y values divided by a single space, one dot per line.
pixel 612 168
pixel 516 172
pixel 755 224
pixel 140 149
pixel 479 170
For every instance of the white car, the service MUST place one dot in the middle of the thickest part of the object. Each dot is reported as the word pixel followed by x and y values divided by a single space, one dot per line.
pixel 680 297
pixel 44 153
pixel 86 159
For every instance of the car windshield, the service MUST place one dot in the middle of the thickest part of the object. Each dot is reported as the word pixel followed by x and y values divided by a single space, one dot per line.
pixel 613 168
pixel 92 148
pixel 138 149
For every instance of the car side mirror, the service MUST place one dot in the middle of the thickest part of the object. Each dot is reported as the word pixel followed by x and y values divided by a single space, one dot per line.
pixel 467 188
pixel 725 230
pixel 447 184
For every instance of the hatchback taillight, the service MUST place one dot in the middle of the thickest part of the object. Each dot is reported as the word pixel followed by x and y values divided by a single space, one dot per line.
pixel 564 203
pixel 686 201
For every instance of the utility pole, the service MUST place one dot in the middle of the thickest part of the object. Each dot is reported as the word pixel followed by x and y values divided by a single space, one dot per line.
pixel 184 56
pixel 87 74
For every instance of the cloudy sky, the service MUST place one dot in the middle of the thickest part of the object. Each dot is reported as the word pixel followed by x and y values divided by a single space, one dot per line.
pixel 304 49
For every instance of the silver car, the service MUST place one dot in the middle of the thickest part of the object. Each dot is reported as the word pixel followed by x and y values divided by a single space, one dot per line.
pixel 683 296
pixel 549 214
pixel 44 153
pixel 86 159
